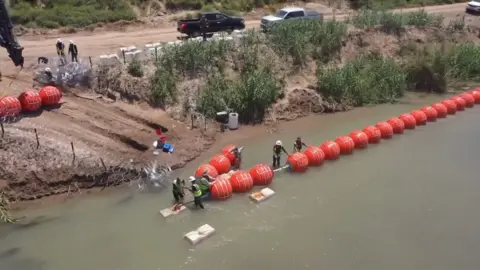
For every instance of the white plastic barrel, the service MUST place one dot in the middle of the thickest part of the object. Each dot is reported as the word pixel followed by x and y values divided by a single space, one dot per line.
pixel 233 121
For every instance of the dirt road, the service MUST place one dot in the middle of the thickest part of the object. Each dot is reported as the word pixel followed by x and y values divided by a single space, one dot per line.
pixel 95 44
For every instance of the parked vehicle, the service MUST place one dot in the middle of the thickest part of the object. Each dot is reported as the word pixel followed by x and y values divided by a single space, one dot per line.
pixel 217 22
pixel 473 7
pixel 288 14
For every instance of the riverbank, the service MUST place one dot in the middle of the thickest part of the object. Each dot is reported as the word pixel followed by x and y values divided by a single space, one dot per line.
pixel 268 80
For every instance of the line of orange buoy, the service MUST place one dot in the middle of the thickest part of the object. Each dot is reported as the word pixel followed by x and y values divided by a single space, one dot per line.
pixel 228 181
pixel 29 101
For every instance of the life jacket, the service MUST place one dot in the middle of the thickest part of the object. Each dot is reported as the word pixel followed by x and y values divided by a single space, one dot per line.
pixel 197 192
pixel 204 184
pixel 176 186
pixel 60 46
pixel 277 149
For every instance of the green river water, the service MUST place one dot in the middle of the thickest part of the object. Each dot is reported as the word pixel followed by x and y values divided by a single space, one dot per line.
pixel 407 203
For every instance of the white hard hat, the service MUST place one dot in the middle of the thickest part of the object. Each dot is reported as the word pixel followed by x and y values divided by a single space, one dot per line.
pixel 278 143
pixel 192 178
pixel 59 40
pixel 47 69
pixel 71 41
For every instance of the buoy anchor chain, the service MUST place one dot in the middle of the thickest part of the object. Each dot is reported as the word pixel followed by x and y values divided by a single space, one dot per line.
pixel 281 168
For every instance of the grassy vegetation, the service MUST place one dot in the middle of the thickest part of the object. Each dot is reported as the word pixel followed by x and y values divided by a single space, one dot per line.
pixel 248 75
pixel 71 13
pixel 390 4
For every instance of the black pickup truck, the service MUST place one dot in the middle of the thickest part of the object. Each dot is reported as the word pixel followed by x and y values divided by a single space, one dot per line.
pixel 217 22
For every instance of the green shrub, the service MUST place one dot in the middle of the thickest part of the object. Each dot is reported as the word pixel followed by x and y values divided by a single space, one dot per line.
pixel 194 57
pixel 394 22
pixel 135 69
pixel 164 87
pixel 368 79
pixel 74 13
pixel 390 4
pixel 301 39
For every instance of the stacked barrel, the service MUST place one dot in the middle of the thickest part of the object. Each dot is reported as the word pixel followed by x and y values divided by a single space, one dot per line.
pixel 228 181
pixel 29 101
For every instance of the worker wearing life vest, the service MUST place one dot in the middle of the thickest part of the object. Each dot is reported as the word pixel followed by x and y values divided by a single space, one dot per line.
pixel 277 151
pixel 197 195
pixel 204 183
pixel 177 189
pixel 298 144
pixel 238 158
pixel 60 48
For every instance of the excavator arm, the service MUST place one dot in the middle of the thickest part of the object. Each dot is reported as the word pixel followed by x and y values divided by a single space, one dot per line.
pixel 7 39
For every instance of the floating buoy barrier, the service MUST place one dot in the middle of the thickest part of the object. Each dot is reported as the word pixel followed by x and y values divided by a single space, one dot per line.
pixel 476 95
pixel 430 113
pixel 346 145
pixel 386 130
pixel 221 189
pixel 298 162
pixel 373 133
pixel 262 175
pixel 451 106
pixel 469 100
pixel 221 163
pixel 360 139
pixel 30 101
pixel 227 151
pixel 50 95
pixel 397 125
pixel 331 150
pixel 420 117
pixel 408 120
pixel 10 107
pixel 227 181
pixel 441 109
pixel 241 181
pixel 315 155
pixel 460 102
pixel 209 169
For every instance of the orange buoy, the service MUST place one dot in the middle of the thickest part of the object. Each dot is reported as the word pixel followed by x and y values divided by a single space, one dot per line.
pixel 430 113
pixel 374 134
pixel 221 189
pixel 397 125
pixel 10 107
pixel 476 96
pixel 451 106
pixel 441 109
pixel 346 144
pixel 262 175
pixel 241 181
pixel 420 117
pixel 30 101
pixel 50 95
pixel 298 162
pixel 469 100
pixel 460 102
pixel 408 120
pixel 386 130
pixel 221 163
pixel 315 155
pixel 331 150
pixel 211 171
pixel 360 138
pixel 227 151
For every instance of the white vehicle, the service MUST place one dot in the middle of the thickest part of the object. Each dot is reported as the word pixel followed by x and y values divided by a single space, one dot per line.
pixel 473 7
pixel 288 14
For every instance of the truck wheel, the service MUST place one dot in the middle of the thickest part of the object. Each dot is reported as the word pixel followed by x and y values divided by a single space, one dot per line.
pixel 230 31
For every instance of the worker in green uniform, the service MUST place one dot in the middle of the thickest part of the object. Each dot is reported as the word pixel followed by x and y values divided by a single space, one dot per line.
pixel 298 144
pixel 177 189
pixel 204 183
pixel 277 151
pixel 197 195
